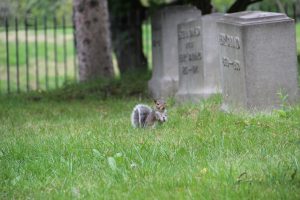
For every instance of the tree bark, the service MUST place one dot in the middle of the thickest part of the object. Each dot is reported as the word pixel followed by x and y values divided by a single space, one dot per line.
pixel 203 5
pixel 93 43
pixel 127 18
pixel 241 5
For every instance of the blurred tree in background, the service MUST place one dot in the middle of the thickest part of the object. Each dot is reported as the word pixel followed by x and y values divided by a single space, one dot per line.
pixel 127 18
pixel 93 43
pixel 38 8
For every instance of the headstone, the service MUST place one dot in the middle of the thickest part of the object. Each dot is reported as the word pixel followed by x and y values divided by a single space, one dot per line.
pixel 164 81
pixel 212 69
pixel 198 54
pixel 258 58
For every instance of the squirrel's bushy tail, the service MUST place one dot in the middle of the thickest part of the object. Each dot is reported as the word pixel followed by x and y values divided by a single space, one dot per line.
pixel 139 115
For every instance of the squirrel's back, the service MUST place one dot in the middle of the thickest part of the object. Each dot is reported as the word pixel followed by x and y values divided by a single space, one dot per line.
pixel 139 115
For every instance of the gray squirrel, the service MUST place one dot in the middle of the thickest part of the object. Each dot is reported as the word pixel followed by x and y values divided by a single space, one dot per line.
pixel 143 116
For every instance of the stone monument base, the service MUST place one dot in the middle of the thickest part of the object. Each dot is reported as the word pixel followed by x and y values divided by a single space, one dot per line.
pixel 195 96
pixel 162 87
pixel 265 109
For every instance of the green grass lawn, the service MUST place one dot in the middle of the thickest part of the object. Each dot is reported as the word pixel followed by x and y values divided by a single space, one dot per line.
pixel 78 142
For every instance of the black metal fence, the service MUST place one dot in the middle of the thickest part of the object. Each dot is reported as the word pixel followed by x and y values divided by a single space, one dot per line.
pixel 40 54
pixel 36 53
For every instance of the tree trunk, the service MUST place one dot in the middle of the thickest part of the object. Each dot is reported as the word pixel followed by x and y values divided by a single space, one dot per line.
pixel 93 44
pixel 203 5
pixel 126 28
pixel 241 5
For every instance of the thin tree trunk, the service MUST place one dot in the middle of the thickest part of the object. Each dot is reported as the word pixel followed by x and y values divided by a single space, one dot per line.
pixel 93 39
pixel 204 5
pixel 280 6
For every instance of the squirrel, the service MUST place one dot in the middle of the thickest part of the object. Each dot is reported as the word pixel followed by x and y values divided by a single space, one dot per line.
pixel 143 116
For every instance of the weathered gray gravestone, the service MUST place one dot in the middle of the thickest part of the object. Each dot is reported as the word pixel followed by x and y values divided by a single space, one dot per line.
pixel 212 69
pixel 164 81
pixel 258 58
pixel 198 54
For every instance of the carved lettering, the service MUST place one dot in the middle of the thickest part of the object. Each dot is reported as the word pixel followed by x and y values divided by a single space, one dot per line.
pixel 189 45
pixel 231 64
pixel 190 69
pixel 190 57
pixel 185 70
pixel 195 56
pixel 190 33
pixel 183 58
pixel 229 41
pixel 195 69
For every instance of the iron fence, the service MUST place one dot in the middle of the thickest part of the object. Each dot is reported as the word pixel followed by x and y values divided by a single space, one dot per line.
pixel 36 53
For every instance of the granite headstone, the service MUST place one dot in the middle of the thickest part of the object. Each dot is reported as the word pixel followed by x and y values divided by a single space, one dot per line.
pixel 258 60
pixel 198 54
pixel 164 81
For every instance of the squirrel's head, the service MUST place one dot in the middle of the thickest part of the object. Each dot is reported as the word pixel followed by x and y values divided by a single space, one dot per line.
pixel 160 105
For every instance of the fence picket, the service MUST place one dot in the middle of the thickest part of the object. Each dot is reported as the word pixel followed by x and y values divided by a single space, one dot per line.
pixel 46 52
pixel 36 54
pixel 17 54
pixel 65 48
pixel 55 50
pixel 7 55
pixel 26 54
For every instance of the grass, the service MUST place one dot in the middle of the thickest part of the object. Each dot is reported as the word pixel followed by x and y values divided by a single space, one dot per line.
pixel 77 142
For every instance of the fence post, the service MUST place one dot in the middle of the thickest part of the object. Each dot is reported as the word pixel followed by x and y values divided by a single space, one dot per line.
pixel 46 52
pixel 55 51
pixel 36 53
pixel 74 47
pixel 17 53
pixel 65 48
pixel 26 53
pixel 7 55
